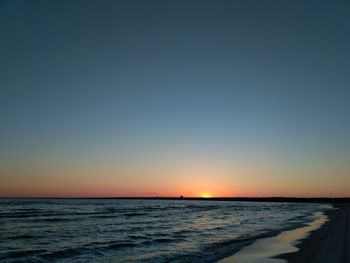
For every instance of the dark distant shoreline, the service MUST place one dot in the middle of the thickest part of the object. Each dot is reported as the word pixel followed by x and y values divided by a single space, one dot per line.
pixel 335 200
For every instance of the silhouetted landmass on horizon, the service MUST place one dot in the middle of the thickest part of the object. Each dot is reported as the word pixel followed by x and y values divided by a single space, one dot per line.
pixel 242 199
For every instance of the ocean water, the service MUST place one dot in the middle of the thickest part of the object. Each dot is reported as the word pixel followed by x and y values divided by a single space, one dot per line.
pixel 88 230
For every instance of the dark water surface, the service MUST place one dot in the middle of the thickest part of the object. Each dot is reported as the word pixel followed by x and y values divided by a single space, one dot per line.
pixel 68 230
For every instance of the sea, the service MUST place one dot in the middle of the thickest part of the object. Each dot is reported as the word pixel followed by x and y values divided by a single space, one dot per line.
pixel 114 230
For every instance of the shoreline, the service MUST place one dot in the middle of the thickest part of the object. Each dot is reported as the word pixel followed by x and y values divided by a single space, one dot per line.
pixel 329 243
pixel 267 249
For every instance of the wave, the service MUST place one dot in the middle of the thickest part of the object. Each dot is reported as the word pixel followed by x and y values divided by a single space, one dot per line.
pixel 24 237
pixel 120 245
pixel 22 253
pixel 135 214
pixel 63 253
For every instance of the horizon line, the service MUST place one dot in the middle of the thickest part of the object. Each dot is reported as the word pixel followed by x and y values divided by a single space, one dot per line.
pixel 241 198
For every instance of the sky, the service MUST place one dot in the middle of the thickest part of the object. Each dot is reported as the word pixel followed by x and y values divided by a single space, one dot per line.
pixel 169 98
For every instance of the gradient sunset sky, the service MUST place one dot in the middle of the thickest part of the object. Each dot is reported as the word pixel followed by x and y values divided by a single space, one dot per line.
pixel 169 98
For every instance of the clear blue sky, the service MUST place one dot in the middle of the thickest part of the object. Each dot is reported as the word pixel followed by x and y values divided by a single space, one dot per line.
pixel 144 83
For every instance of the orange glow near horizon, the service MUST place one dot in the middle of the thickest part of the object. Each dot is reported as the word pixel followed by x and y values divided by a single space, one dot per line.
pixel 192 179
pixel 206 195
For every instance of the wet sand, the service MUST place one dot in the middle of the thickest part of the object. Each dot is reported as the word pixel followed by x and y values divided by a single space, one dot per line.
pixel 325 240
pixel 328 244
pixel 265 250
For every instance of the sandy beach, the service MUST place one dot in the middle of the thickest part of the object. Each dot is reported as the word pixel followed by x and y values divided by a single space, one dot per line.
pixel 324 240
pixel 328 244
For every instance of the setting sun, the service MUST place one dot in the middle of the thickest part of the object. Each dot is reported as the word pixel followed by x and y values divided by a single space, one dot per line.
pixel 206 195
